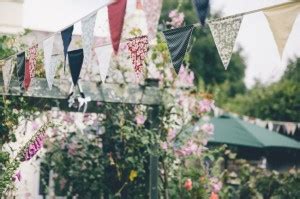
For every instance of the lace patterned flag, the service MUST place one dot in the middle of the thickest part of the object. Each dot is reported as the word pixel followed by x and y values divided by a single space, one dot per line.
pixel 7 72
pixel 138 48
pixel 21 68
pixel 281 20
pixel 75 61
pixel 30 65
pixel 50 72
pixel 152 9
pixel 88 25
pixel 224 32
pixel 104 55
pixel 178 40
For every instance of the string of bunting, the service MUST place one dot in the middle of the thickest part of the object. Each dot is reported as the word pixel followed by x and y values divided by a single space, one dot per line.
pixel 224 31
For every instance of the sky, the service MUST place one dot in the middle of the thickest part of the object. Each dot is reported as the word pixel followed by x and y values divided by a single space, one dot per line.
pixel 255 37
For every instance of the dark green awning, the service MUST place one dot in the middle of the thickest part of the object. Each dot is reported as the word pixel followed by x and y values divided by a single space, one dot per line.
pixel 231 130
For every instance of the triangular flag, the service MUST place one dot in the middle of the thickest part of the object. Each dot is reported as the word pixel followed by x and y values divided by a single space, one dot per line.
pixel 75 61
pixel 178 40
pixel 7 72
pixel 202 8
pixel 138 48
pixel 21 68
pixel 88 25
pixel 104 55
pixel 281 20
pixel 116 13
pixel 48 48
pixel 66 36
pixel 224 32
pixel 30 66
pixel 153 11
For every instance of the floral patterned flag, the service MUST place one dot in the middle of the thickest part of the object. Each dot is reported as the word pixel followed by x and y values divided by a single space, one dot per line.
pixel 281 20
pixel 178 40
pixel 116 14
pixel 50 72
pixel 104 55
pixel 21 68
pixel 138 48
pixel 30 65
pixel 88 25
pixel 7 72
pixel 75 61
pixel 152 9
pixel 224 32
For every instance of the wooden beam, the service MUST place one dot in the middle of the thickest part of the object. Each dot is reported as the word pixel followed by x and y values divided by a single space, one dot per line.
pixel 112 93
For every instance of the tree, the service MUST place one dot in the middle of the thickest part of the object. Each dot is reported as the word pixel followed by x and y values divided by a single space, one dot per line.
pixel 278 101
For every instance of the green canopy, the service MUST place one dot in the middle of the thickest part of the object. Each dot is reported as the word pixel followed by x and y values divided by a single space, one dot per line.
pixel 231 130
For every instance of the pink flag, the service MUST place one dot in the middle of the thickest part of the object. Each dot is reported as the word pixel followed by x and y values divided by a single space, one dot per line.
pixel 30 66
pixel 138 48
pixel 116 13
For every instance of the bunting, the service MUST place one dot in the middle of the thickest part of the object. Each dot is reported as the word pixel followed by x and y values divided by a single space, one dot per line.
pixel 88 25
pixel 177 41
pixel 281 21
pixel 224 32
pixel 30 66
pixel 21 68
pixel 66 36
pixel 7 72
pixel 116 13
pixel 152 10
pixel 202 8
pixel 75 61
pixel 104 54
pixel 49 70
pixel 138 48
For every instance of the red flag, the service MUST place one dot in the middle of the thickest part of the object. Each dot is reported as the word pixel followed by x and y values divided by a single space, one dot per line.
pixel 138 48
pixel 116 13
pixel 30 66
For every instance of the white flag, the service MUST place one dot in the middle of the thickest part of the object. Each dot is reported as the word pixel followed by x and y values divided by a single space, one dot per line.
pixel 281 20
pixel 87 26
pixel 104 54
pixel 7 72
pixel 50 71
pixel 224 32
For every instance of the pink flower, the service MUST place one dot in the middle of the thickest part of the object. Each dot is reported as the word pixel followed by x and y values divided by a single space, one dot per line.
pixel 164 145
pixel 188 184
pixel 216 185
pixel 185 77
pixel 206 105
pixel 140 119
pixel 188 149
pixel 34 126
pixel 208 128
pixel 176 18
pixel 17 176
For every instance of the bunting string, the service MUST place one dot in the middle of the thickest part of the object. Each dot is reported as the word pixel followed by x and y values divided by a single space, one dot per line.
pixel 125 40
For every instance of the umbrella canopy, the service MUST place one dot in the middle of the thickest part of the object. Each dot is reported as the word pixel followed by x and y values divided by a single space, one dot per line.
pixel 231 130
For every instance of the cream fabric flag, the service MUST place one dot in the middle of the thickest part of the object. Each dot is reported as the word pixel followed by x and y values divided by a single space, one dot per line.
pixel 224 32
pixel 7 72
pixel 104 54
pixel 49 70
pixel 87 26
pixel 281 20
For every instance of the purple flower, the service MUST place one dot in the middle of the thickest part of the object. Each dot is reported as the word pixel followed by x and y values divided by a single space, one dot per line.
pixel 17 176
pixel 216 185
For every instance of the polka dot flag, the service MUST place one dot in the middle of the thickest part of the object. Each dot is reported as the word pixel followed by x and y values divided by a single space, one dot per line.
pixel 178 40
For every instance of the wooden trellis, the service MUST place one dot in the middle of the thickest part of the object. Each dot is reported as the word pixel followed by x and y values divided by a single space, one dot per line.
pixel 148 94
